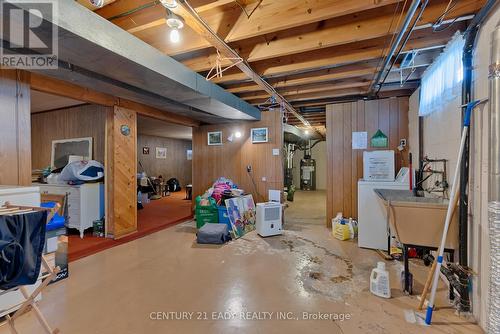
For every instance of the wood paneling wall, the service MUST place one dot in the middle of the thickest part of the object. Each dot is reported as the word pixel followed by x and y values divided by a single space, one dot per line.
pixel 175 165
pixel 75 122
pixel 15 141
pixel 231 158
pixel 121 173
pixel 345 165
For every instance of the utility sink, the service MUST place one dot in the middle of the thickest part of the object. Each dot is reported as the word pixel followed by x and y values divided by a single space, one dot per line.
pixel 418 221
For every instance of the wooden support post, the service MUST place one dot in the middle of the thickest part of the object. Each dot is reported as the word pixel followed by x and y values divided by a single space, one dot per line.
pixel 15 128
pixel 121 172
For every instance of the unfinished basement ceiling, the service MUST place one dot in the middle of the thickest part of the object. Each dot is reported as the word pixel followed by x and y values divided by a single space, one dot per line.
pixel 325 51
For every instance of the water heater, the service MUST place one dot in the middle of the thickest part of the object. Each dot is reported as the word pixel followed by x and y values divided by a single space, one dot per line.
pixel 307 173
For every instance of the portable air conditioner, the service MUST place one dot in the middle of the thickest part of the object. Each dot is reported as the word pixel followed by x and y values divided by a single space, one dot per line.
pixel 268 220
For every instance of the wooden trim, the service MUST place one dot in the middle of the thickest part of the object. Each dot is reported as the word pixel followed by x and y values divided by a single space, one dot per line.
pixel 148 111
pixel 63 88
pixel 50 85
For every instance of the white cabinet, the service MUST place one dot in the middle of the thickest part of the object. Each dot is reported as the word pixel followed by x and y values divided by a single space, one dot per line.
pixel 84 203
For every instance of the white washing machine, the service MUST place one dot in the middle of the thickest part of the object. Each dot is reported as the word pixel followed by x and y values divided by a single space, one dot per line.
pixel 372 219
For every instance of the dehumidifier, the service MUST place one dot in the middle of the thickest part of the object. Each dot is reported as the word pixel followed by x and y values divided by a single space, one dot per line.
pixel 268 220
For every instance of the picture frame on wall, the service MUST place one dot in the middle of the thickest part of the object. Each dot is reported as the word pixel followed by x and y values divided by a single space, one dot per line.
pixel 145 150
pixel 215 138
pixel 161 153
pixel 260 135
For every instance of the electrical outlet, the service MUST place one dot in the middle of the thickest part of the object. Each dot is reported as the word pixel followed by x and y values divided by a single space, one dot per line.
pixel 276 151
pixel 402 142
pixel 249 168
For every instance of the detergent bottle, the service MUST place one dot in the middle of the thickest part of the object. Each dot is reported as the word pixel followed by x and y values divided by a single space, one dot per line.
pixel 379 281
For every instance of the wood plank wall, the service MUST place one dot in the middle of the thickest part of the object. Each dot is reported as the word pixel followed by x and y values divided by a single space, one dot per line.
pixel 75 122
pixel 175 165
pixel 344 165
pixel 121 173
pixel 231 158
pixel 15 140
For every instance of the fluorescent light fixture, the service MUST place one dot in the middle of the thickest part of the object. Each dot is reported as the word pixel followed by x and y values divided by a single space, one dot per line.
pixel 169 3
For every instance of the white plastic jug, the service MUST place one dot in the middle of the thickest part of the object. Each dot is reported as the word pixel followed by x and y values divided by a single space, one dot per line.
pixel 379 281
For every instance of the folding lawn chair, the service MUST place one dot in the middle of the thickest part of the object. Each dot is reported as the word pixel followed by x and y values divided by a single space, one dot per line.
pixel 49 273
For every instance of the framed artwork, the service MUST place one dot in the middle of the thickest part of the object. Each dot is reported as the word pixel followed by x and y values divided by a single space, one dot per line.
pixel 215 138
pixel 241 213
pixel 260 135
pixel 161 153
pixel 145 150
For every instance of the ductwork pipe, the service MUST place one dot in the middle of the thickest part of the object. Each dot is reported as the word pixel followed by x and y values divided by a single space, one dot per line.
pixel 494 185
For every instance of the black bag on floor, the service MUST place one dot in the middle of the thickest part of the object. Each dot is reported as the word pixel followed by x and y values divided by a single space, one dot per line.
pixel 173 185
pixel 213 234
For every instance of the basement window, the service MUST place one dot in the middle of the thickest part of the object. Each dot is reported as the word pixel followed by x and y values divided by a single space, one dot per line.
pixel 441 82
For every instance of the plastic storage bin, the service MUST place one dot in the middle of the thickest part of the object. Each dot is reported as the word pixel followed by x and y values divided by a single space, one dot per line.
pixel 206 213
pixel 224 217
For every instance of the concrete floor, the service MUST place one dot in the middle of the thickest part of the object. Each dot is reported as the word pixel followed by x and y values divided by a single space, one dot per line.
pixel 121 289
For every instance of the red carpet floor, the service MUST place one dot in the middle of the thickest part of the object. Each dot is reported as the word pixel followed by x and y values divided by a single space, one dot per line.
pixel 155 216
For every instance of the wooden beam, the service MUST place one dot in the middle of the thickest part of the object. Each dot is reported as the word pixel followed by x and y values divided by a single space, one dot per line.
pixel 343 72
pixel 197 23
pixel 361 82
pixel 319 95
pixel 285 14
pixel 362 50
pixel 346 54
pixel 63 88
pixel 158 114
pixel 347 29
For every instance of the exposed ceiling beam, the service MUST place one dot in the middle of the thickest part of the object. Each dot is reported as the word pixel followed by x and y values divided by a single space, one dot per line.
pixel 343 72
pixel 197 24
pixel 310 89
pixel 346 29
pixel 319 95
pixel 275 15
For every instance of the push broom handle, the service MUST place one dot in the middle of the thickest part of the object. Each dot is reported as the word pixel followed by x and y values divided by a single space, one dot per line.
pixel 449 213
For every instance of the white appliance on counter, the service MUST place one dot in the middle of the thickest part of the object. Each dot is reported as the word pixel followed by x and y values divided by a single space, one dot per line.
pixel 372 219
pixel 85 203
pixel 268 219
pixel 25 196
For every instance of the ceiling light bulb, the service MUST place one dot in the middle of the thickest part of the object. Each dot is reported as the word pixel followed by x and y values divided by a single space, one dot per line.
pixel 306 132
pixel 174 36
pixel 169 3
pixel 237 134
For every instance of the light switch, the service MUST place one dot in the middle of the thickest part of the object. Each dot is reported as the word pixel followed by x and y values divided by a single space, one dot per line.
pixel 276 151
pixel 264 179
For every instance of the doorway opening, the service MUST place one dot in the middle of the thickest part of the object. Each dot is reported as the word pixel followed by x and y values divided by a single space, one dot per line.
pixel 164 174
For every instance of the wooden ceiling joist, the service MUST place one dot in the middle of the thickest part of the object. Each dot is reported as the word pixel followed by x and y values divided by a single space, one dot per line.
pixel 329 57
pixel 321 76
pixel 361 82
pixel 285 14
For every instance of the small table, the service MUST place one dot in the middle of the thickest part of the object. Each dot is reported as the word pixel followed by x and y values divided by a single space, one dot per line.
pixel 189 191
